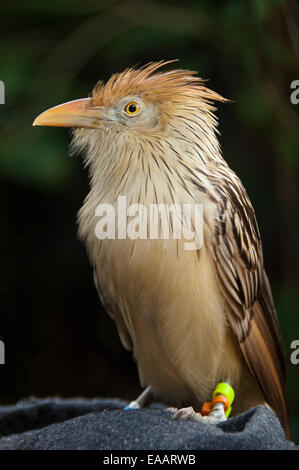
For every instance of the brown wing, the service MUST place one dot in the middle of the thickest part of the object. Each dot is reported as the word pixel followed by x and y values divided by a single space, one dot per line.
pixel 239 260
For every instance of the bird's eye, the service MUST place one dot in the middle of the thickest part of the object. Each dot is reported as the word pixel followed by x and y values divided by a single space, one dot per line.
pixel 132 108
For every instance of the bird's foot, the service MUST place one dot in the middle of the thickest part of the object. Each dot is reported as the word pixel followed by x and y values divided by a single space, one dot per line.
pixel 143 400
pixel 213 412
pixel 216 415
pixel 133 405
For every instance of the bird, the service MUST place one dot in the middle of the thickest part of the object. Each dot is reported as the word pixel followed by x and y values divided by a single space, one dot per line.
pixel 192 318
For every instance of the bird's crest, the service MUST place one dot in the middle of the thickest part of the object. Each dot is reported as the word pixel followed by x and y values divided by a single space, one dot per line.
pixel 154 85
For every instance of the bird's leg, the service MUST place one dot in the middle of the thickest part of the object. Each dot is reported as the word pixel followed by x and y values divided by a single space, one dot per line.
pixel 212 412
pixel 144 399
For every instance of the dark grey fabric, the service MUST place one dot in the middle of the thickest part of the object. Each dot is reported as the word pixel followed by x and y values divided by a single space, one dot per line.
pixel 104 425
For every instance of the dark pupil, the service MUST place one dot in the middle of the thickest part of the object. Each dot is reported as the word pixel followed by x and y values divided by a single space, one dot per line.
pixel 132 108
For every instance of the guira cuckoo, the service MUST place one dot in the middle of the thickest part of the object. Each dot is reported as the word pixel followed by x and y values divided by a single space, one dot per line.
pixel 192 318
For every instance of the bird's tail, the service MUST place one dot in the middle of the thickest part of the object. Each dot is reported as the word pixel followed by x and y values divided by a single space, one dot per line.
pixel 264 354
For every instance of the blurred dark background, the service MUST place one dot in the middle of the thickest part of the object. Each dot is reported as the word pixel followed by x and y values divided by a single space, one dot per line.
pixel 58 340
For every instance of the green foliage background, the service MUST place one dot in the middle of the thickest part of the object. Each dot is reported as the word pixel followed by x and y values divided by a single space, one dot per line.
pixel 58 340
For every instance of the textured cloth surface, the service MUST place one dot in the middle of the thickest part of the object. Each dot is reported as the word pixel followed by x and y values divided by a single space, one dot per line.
pixel 104 425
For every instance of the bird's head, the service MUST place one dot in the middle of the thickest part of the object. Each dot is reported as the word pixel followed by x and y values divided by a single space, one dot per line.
pixel 137 102
pixel 139 125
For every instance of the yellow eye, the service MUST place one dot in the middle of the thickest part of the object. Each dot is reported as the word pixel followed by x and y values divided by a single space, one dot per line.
pixel 132 108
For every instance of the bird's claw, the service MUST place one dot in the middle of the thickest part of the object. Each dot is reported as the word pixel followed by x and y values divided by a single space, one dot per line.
pixel 216 415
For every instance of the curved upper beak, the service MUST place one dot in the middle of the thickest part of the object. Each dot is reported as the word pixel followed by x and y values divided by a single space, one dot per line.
pixel 77 113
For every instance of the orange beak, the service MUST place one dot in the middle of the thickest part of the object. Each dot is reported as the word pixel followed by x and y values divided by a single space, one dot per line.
pixel 77 113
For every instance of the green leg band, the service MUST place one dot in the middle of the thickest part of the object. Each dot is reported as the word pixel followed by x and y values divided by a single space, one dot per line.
pixel 226 390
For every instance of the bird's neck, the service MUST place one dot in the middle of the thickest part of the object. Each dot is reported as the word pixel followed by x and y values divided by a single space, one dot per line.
pixel 133 166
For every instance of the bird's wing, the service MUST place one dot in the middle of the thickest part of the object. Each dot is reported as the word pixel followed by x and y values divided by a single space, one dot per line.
pixel 244 283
